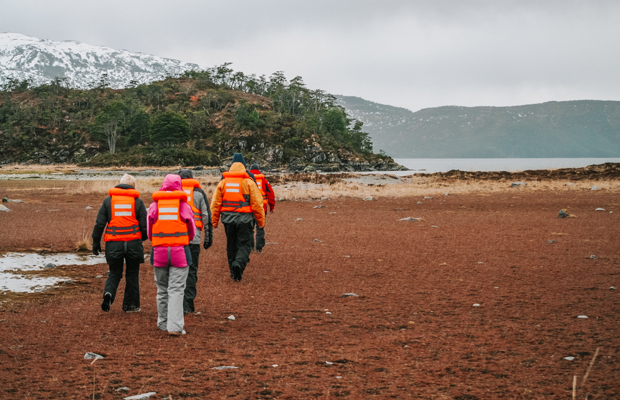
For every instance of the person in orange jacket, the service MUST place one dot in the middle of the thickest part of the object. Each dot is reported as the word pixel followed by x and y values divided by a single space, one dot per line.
pixel 269 199
pixel 237 201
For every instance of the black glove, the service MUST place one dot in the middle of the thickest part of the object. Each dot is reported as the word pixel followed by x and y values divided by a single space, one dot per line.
pixel 208 237
pixel 96 248
pixel 208 241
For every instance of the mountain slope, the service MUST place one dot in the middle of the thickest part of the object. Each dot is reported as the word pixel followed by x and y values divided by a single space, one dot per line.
pixel 585 128
pixel 24 57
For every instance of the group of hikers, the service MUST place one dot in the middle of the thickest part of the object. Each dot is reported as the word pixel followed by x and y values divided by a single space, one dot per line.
pixel 176 223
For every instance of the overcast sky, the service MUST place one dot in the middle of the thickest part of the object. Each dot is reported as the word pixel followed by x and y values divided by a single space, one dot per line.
pixel 405 53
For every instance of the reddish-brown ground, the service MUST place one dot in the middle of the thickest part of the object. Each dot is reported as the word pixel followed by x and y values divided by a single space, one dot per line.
pixel 411 333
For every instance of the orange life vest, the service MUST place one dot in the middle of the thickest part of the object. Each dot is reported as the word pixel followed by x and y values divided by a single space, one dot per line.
pixel 233 199
pixel 188 187
pixel 170 230
pixel 123 225
pixel 260 182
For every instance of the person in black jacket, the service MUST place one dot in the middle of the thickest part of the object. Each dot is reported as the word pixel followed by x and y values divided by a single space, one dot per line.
pixel 124 229
pixel 200 204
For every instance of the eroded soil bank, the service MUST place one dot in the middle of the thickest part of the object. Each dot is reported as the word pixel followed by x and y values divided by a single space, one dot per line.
pixel 411 333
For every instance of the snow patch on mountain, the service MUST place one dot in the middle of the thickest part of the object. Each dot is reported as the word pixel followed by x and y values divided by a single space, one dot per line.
pixel 25 57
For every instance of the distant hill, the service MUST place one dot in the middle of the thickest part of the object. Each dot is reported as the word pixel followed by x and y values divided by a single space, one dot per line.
pixel 584 128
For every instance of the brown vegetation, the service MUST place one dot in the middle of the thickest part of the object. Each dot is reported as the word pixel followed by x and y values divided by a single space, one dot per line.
pixel 411 333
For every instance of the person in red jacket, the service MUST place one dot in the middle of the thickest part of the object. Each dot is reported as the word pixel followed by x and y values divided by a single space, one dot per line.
pixel 269 199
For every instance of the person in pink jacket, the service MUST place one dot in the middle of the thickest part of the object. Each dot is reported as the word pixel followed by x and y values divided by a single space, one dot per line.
pixel 170 262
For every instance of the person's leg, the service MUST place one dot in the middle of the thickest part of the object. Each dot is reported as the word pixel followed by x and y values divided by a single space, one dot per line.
pixel 111 284
pixel 260 238
pixel 161 281
pixel 244 241
pixel 231 246
pixel 131 301
pixel 192 278
pixel 176 288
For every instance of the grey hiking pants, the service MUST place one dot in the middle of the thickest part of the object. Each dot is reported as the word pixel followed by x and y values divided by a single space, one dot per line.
pixel 170 283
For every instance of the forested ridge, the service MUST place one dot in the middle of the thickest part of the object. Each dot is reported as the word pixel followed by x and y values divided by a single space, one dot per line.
pixel 198 118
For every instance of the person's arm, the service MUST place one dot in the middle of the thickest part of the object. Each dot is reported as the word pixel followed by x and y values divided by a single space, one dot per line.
pixel 151 218
pixel 102 219
pixel 271 196
pixel 141 217
pixel 187 215
pixel 216 204
pixel 207 225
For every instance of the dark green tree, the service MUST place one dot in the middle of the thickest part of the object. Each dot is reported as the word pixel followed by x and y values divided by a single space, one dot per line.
pixel 169 128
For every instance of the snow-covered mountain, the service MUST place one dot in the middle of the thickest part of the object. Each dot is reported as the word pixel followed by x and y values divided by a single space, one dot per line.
pixel 25 57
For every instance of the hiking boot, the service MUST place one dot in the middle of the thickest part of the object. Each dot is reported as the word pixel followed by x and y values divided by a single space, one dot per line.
pixel 173 333
pixel 107 300
pixel 132 309
pixel 236 272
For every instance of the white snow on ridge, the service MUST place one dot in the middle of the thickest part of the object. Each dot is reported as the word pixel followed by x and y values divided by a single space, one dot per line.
pixel 25 57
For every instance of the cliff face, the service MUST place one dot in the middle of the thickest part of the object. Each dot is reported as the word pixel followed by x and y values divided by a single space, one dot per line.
pixel 586 128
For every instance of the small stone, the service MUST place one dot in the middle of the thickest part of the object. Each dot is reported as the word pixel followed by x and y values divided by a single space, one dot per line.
pixel 569 358
pixel 122 389
pixel 569 184
pixel 594 187
pixel 143 396
pixel 325 271
pixel 333 212
pixel 324 198
pixel 475 305
pixel 99 276
pixel 419 202
pixel 328 313
pixel 600 209
pixel 93 356
pixel 318 206
pixel 563 213
pixel 593 257
pixel 50 266
pixel 317 241
pixel 339 377
pixel 582 317
pixel 347 256
pixel 350 295
pixel 329 363
pixel 231 317
pixel 275 365
pixel 89 208
pixel 551 241
pixel 434 226
pixel 428 198
pixel 368 199
pixel 517 184
pixel 410 219
pixel 612 288
pixel 299 219
pixel 225 367
pixel 4 208
pixel 447 194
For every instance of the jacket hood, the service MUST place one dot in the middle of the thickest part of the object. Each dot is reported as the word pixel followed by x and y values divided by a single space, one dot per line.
pixel 171 182
pixel 186 174
pixel 238 157
pixel 237 167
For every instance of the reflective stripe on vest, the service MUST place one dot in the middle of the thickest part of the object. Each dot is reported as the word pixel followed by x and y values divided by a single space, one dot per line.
pixel 169 229
pixel 233 200
pixel 188 187
pixel 123 225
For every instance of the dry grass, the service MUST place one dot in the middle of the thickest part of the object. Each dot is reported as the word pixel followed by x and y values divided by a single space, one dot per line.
pixel 427 186
pixel 337 188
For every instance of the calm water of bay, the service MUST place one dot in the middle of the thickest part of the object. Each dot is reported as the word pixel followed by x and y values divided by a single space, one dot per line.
pixel 430 165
